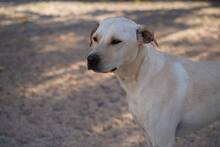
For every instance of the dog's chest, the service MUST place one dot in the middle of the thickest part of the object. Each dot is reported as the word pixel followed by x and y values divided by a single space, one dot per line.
pixel 140 102
pixel 139 109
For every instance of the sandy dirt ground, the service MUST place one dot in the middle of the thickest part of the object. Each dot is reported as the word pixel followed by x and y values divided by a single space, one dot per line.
pixel 49 99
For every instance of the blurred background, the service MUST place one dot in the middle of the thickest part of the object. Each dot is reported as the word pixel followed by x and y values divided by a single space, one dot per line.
pixel 47 96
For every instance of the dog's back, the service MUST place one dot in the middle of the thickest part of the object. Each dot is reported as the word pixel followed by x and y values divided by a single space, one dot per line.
pixel 202 102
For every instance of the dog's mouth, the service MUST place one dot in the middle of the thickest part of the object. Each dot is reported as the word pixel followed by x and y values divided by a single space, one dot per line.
pixel 101 71
pixel 114 69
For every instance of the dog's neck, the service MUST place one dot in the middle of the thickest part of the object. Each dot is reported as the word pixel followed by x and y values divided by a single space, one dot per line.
pixel 129 72
pixel 130 75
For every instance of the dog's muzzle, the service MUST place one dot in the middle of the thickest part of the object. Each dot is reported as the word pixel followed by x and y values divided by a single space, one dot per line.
pixel 93 61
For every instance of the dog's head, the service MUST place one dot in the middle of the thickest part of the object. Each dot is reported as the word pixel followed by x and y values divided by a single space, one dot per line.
pixel 115 42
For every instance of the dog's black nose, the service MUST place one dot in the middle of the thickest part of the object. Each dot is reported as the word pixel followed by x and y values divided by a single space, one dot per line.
pixel 93 61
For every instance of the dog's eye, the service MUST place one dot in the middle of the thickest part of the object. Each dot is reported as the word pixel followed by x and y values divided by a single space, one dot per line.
pixel 115 41
pixel 95 39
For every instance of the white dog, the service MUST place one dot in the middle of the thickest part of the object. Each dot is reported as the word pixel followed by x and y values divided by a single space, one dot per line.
pixel 167 95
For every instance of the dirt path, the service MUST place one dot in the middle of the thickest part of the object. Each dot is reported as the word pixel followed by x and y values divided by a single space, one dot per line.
pixel 49 99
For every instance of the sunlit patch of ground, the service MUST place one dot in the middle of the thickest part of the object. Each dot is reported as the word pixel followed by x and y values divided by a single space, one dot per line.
pixel 48 98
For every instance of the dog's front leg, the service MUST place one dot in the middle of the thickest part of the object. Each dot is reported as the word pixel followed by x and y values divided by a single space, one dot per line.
pixel 162 137
pixel 161 130
pixel 147 140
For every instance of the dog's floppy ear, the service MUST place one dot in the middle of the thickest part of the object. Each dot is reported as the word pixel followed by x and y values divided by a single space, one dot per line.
pixel 145 36
pixel 93 31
